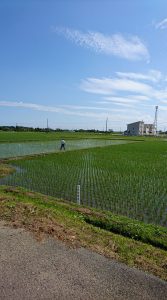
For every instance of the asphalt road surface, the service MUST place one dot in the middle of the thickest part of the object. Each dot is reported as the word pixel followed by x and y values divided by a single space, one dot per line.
pixel 51 270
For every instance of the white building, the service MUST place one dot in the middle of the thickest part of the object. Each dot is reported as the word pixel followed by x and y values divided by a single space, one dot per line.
pixel 149 129
pixel 139 128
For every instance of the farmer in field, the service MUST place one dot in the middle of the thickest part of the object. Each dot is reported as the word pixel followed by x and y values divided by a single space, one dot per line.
pixel 62 146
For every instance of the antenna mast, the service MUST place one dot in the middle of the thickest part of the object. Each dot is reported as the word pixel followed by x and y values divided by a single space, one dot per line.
pixel 155 120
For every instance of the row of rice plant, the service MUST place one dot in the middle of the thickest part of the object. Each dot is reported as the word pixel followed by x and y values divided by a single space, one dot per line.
pixel 127 179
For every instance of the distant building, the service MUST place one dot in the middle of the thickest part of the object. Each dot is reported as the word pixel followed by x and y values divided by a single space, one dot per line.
pixel 139 128
pixel 149 129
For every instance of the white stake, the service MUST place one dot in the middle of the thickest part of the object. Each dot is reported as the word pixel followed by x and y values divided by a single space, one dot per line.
pixel 78 194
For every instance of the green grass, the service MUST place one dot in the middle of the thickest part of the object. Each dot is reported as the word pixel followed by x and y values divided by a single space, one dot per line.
pixel 44 136
pixel 12 136
pixel 147 233
pixel 129 179
pixel 68 222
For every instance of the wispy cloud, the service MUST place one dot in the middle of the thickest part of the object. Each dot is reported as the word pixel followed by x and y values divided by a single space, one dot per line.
pixel 124 100
pixel 123 114
pixel 152 75
pixel 139 97
pixel 109 86
pixel 82 111
pixel 136 86
pixel 93 113
pixel 137 93
pixel 131 47
pixel 162 24
pixel 129 101
pixel 82 107
pixel 30 106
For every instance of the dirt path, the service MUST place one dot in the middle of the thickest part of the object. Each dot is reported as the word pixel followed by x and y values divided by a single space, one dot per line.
pixel 50 270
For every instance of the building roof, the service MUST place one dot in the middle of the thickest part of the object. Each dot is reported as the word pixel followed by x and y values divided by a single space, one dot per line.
pixel 136 122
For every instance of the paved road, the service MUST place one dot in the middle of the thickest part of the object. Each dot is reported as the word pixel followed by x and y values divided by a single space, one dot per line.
pixel 50 270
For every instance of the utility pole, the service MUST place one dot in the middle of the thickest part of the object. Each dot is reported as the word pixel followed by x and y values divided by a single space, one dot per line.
pixel 155 120
pixel 47 125
pixel 106 124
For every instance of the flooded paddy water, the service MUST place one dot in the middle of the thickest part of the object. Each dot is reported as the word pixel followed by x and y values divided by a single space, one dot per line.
pixel 8 150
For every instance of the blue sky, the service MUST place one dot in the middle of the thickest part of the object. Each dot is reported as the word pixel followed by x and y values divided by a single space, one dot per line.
pixel 79 62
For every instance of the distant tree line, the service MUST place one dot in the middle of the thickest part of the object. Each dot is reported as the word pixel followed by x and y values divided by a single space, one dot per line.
pixel 37 129
pixel 23 128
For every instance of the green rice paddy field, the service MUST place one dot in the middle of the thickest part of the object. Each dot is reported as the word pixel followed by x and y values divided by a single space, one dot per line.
pixel 127 179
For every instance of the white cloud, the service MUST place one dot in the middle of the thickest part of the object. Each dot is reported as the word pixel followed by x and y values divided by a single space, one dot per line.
pixel 162 107
pixel 123 104
pixel 77 107
pixel 139 97
pixel 127 101
pixel 123 100
pixel 160 94
pixel 164 101
pixel 138 93
pixel 162 24
pixel 83 111
pixel 152 75
pixel 109 86
pixel 117 115
pixel 131 47
pixel 129 86
pixel 30 106
pixel 127 113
